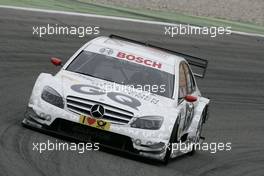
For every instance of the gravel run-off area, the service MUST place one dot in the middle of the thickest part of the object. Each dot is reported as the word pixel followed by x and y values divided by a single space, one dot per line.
pixel 251 11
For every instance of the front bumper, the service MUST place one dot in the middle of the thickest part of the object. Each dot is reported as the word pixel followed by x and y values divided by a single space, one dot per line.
pixel 76 131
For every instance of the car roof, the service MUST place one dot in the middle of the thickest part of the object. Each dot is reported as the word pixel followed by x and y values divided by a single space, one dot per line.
pixel 139 50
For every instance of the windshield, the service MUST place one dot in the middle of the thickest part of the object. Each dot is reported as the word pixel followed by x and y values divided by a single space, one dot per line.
pixel 123 72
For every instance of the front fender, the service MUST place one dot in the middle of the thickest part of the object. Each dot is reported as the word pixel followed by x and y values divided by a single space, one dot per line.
pixel 44 79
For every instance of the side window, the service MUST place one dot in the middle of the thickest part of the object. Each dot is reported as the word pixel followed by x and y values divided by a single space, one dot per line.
pixel 189 79
pixel 193 82
pixel 182 83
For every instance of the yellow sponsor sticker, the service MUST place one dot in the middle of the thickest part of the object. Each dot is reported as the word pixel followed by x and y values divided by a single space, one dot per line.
pixel 96 123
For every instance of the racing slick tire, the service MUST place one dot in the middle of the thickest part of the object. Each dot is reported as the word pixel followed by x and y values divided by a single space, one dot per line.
pixel 199 131
pixel 173 139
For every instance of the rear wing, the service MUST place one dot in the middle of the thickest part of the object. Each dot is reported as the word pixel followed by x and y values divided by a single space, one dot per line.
pixel 198 65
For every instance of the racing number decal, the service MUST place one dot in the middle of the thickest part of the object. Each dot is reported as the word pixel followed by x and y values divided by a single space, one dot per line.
pixel 188 115
pixel 115 96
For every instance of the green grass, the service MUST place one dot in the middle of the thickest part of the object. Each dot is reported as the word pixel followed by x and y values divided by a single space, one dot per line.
pixel 109 10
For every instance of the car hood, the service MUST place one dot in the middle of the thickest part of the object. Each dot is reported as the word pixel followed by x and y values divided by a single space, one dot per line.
pixel 109 93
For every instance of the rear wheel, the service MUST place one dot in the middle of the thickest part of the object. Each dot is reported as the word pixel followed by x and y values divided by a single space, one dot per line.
pixel 199 131
pixel 205 114
pixel 173 139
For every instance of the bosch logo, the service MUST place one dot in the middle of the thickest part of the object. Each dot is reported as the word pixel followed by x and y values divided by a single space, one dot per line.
pixel 139 60
pixel 97 111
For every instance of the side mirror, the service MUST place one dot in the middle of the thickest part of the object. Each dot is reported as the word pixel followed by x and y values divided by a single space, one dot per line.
pixel 56 61
pixel 190 98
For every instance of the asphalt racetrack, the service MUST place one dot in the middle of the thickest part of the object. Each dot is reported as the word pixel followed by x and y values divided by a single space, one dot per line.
pixel 234 82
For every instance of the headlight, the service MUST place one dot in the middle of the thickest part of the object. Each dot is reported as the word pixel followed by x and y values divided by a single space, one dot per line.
pixel 148 122
pixel 52 96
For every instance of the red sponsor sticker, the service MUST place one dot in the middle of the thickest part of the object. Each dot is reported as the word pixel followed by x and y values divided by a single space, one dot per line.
pixel 96 123
pixel 139 60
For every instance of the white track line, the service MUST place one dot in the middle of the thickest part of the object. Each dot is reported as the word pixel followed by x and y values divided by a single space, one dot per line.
pixel 109 17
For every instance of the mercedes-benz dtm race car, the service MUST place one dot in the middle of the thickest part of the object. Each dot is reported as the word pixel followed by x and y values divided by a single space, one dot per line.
pixel 100 95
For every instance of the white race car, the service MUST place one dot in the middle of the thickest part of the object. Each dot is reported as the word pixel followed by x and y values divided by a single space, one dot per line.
pixel 124 94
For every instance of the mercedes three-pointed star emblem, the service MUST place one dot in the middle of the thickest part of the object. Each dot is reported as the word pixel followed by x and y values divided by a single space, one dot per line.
pixel 97 111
